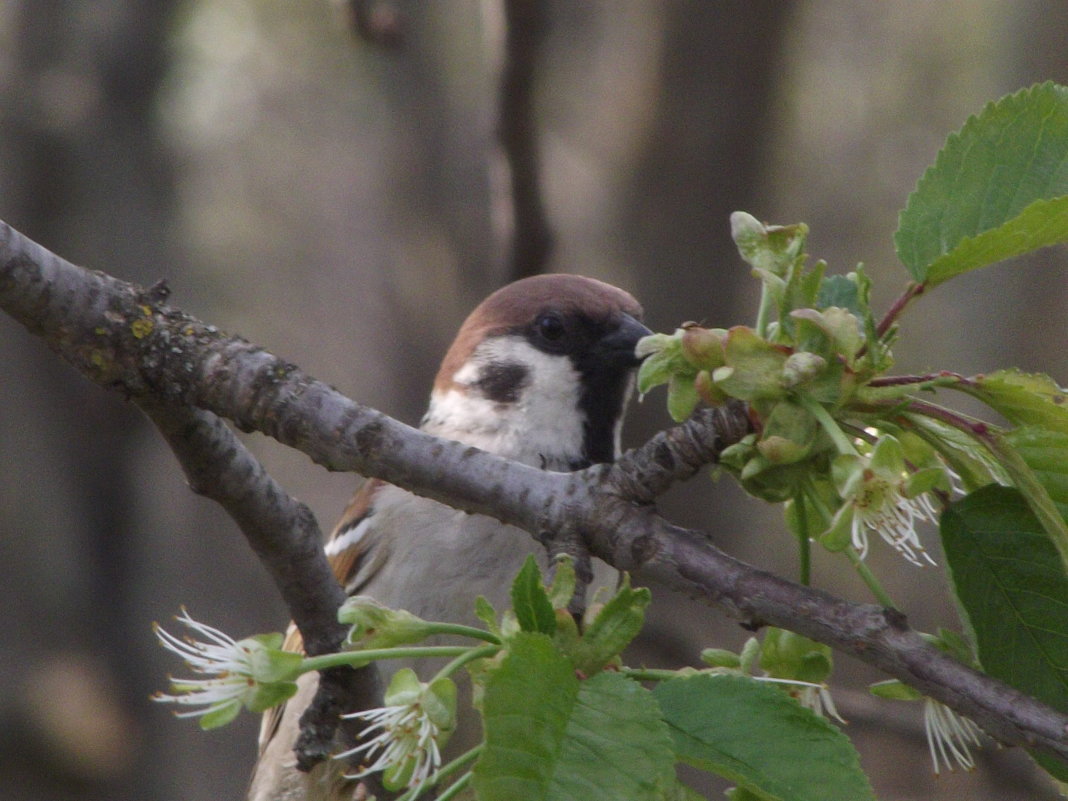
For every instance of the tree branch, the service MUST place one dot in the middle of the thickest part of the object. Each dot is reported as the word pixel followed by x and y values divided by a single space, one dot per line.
pixel 286 537
pixel 283 532
pixel 117 335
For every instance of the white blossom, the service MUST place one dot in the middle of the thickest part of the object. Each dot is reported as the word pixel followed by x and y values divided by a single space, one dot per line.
pixel 949 736
pixel 253 672
pixel 404 738
pixel 879 506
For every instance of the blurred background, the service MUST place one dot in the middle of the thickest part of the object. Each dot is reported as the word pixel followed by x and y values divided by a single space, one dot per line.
pixel 343 203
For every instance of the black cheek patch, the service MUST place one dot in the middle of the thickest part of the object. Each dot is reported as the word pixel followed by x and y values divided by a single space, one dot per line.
pixel 501 382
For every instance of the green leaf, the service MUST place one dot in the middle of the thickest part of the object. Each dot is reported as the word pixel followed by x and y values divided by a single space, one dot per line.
pixel 269 664
pixel 754 366
pixel 996 190
pixel 789 433
pixel 485 612
pixel 1013 591
pixel 564 580
pixel 682 397
pixel 530 601
pixel 975 465
pixel 268 695
pixel 664 358
pixel 220 715
pixel 551 736
pixel 1043 223
pixel 677 791
pixel 1046 453
pixel 758 737
pixel 1034 492
pixel 1023 398
pixel 842 291
pixel 618 622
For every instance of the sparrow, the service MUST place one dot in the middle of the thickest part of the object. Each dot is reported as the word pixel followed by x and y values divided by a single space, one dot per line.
pixel 540 373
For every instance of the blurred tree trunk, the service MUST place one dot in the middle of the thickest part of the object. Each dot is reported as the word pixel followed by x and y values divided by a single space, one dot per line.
pixel 83 171
pixel 703 158
pixel 704 153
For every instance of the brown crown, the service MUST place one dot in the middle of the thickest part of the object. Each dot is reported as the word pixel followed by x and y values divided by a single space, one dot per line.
pixel 520 302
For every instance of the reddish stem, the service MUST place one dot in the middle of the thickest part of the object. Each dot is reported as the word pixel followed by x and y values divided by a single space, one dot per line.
pixel 912 290
pixel 977 428
pixel 902 380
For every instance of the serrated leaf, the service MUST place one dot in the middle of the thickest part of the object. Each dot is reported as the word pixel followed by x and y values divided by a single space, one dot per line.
pixel 1013 591
pixel 1023 398
pixel 552 737
pixel 1043 223
pixel 758 737
pixel 997 189
pixel 530 601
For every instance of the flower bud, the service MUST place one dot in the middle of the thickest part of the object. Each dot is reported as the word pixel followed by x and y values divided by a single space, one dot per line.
pixel 703 347
pixel 378 626
pixel 707 389
pixel 801 367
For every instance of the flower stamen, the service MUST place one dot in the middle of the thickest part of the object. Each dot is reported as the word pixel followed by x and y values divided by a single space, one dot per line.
pixel 949 736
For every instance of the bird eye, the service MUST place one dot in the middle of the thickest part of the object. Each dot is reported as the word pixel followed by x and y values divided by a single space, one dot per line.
pixel 550 327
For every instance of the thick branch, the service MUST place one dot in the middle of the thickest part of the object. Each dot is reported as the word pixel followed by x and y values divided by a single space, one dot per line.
pixel 282 531
pixel 116 335
pixel 644 474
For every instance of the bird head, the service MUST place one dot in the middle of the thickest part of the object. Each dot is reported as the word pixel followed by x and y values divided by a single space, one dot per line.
pixel 540 372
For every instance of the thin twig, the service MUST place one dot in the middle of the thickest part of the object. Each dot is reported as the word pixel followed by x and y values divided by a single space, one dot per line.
pixel 912 291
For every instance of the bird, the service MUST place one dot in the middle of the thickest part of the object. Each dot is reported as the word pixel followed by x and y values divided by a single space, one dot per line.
pixel 540 372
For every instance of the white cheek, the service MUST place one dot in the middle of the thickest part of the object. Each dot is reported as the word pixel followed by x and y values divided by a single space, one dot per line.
pixel 549 404
pixel 543 427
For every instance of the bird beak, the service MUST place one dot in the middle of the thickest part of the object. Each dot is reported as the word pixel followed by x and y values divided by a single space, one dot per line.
pixel 624 338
